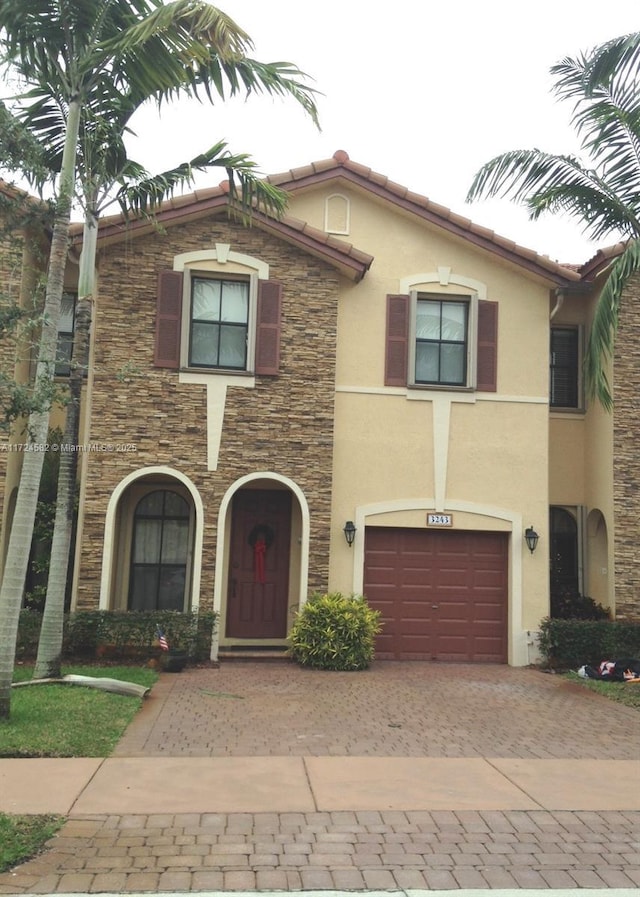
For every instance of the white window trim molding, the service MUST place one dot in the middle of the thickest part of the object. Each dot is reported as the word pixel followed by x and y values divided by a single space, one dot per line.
pixel 216 386
pixel 445 277
pixel 110 532
pixel 221 254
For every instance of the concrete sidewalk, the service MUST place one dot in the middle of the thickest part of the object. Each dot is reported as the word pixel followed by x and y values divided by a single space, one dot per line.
pixel 157 785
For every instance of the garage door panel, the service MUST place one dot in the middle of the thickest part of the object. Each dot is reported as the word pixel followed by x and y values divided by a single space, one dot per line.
pixel 443 595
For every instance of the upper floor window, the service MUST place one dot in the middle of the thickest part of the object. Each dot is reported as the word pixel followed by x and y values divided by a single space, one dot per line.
pixel 218 323
pixel 443 340
pixel 564 368
pixel 66 329
pixel 219 328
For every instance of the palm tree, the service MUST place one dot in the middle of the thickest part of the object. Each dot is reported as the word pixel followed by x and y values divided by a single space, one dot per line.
pixel 602 193
pixel 103 165
pixel 79 55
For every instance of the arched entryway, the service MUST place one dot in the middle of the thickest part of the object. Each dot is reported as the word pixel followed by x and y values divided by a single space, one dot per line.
pixel 261 561
pixel 152 529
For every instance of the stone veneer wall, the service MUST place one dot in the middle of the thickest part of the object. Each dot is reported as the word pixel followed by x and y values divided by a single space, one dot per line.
pixel 626 455
pixel 284 425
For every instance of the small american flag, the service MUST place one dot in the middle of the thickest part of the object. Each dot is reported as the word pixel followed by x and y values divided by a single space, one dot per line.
pixel 162 639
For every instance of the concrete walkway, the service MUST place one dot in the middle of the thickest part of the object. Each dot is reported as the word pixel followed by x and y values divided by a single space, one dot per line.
pixel 265 776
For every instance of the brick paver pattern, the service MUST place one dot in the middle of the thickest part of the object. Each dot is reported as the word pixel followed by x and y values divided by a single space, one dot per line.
pixel 412 709
pixel 338 851
pixel 391 710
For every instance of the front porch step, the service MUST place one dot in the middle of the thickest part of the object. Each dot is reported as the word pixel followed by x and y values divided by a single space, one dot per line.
pixel 263 654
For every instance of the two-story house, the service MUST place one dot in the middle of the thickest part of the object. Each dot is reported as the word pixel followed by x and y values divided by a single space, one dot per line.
pixel 371 395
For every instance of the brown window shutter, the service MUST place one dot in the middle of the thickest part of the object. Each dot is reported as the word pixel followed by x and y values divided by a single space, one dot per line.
pixel 397 341
pixel 487 373
pixel 268 327
pixel 168 319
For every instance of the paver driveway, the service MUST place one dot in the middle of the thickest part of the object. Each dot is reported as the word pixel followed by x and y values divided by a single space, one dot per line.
pixel 392 709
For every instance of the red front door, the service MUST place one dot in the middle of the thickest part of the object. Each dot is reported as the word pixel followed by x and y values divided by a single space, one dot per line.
pixel 258 588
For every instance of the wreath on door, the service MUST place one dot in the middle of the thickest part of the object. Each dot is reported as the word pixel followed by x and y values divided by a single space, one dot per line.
pixel 261 539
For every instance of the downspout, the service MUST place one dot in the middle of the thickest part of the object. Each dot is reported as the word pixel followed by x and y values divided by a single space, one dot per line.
pixel 560 294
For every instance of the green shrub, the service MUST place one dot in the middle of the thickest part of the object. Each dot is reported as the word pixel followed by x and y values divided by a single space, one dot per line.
pixel 334 632
pixel 568 644
pixel 122 635
pixel 568 605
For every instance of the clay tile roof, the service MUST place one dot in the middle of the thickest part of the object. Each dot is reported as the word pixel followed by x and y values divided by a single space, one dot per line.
pixel 344 256
pixel 340 165
pixel 593 266
pixel 350 261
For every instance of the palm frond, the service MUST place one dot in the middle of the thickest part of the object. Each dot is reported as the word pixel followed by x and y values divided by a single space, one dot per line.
pixel 605 323
pixel 246 189
pixel 606 116
pixel 615 58
pixel 543 182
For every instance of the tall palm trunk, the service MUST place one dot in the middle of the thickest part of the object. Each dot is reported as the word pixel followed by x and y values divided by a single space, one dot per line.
pixel 48 661
pixel 11 592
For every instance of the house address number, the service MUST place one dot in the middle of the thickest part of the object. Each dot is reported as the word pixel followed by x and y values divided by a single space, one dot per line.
pixel 439 519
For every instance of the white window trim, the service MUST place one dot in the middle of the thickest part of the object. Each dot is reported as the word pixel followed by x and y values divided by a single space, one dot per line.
pixel 213 263
pixel 423 284
pixel 471 338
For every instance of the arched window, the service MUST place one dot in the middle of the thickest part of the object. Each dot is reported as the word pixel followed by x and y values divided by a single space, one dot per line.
pixel 159 552
pixel 564 553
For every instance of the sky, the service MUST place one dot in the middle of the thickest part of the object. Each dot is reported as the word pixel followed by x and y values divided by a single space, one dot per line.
pixel 421 92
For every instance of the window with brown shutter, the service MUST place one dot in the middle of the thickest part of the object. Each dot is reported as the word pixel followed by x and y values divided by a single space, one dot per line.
pixel 397 341
pixel 427 341
pixel 269 312
pixel 487 354
pixel 168 318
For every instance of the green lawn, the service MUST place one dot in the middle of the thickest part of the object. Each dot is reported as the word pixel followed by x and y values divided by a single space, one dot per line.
pixel 22 837
pixel 624 692
pixel 61 721
pixel 69 720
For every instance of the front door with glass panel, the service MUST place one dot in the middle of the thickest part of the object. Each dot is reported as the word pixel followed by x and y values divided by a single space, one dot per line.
pixel 159 553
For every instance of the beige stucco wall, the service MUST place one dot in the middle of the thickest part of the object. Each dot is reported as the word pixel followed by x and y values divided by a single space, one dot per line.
pixel 581 471
pixel 481 456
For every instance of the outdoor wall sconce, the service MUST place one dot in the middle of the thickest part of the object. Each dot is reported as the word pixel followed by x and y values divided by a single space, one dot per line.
pixel 349 532
pixel 531 538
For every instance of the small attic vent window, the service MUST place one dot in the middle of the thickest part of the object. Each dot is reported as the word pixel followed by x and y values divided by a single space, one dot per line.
pixel 337 214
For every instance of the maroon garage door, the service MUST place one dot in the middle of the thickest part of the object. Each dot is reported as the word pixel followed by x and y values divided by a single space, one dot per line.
pixel 442 595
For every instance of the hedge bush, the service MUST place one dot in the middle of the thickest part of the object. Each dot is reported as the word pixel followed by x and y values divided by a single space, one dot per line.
pixel 121 635
pixel 568 644
pixel 334 632
pixel 573 606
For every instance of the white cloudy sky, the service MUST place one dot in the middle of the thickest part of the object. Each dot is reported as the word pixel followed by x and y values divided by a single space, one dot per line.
pixel 422 92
